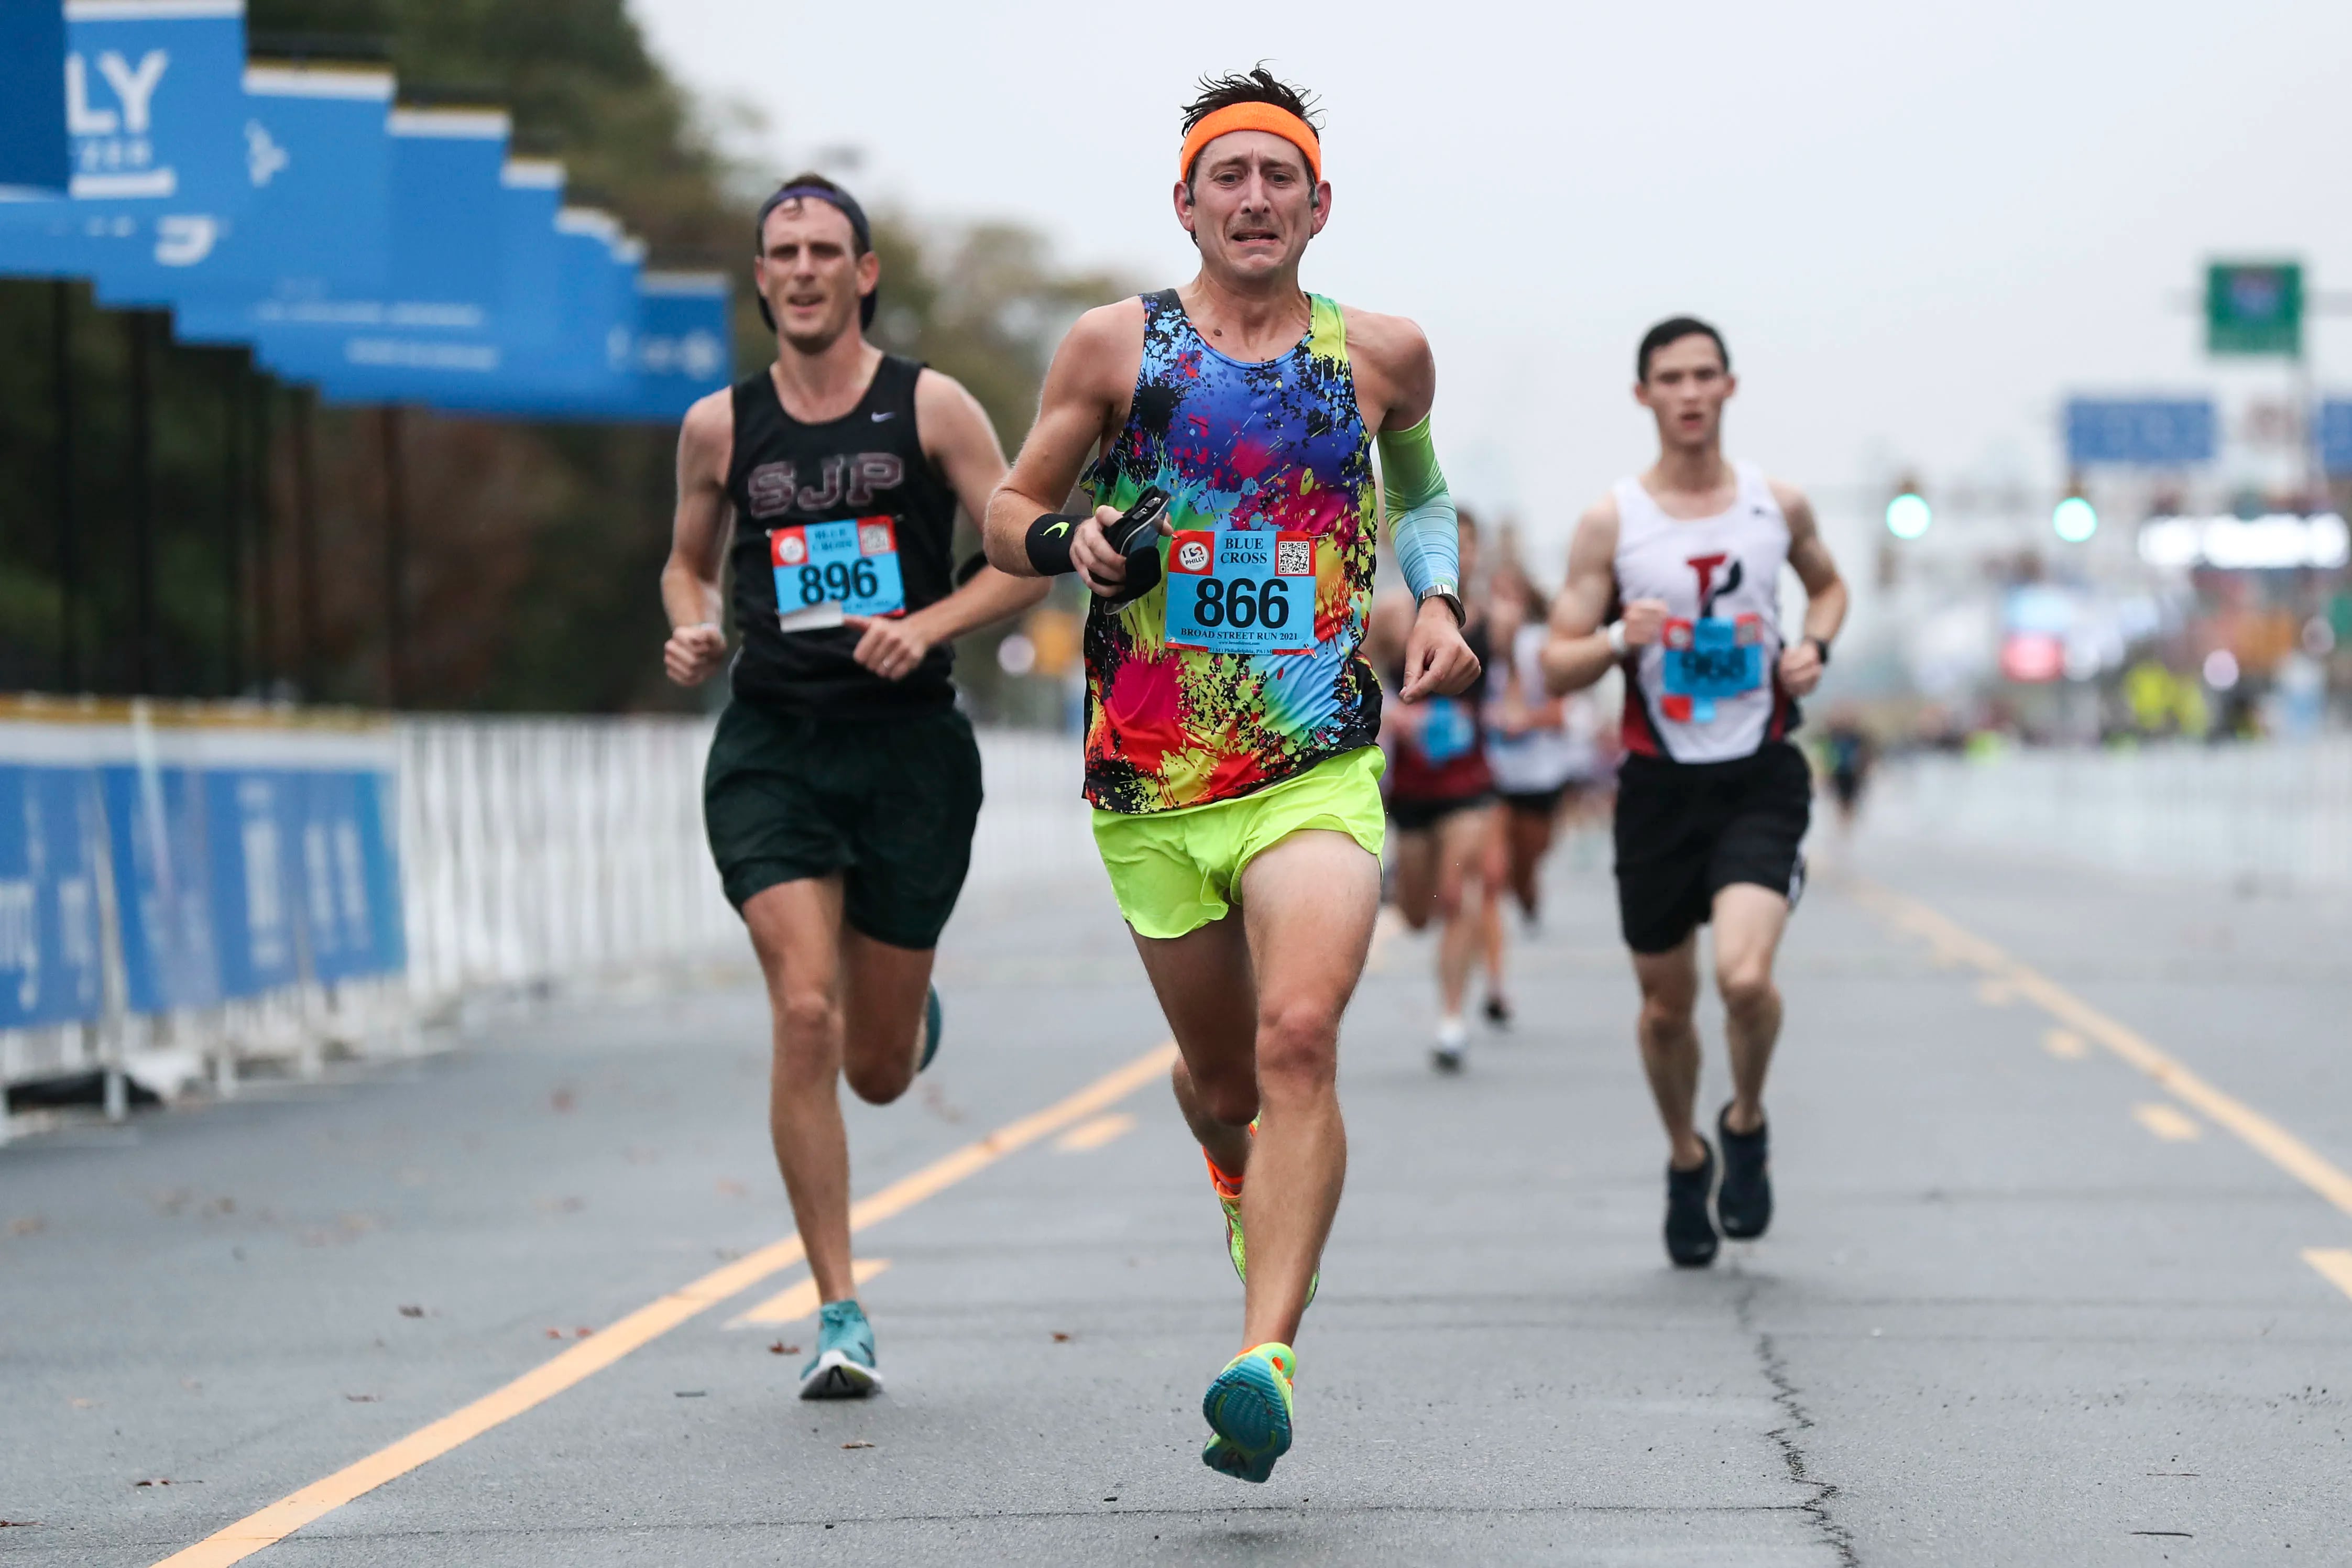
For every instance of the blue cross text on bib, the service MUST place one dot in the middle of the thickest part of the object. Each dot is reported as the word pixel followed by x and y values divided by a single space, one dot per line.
pixel 852 563
pixel 1241 590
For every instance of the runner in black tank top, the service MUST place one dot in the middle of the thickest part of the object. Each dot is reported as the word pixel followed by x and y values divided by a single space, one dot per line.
pixel 1442 803
pixel 843 785
pixel 859 481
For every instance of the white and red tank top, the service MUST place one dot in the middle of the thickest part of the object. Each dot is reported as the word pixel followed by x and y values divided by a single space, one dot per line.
pixel 1709 691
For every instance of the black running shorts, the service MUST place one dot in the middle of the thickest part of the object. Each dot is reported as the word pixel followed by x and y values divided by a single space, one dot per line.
pixel 888 801
pixel 1686 831
pixel 1413 816
pixel 1536 802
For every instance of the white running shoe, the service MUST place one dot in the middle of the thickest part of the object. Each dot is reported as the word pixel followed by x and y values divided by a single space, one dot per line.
pixel 1453 1045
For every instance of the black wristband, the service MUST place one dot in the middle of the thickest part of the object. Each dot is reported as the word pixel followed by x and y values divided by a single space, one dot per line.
pixel 1820 647
pixel 1136 536
pixel 1049 543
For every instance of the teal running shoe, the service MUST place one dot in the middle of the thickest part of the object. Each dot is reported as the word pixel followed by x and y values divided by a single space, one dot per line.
pixel 1248 1408
pixel 843 1365
pixel 927 1044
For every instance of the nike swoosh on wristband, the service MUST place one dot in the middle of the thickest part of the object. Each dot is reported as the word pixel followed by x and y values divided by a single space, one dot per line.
pixel 1062 527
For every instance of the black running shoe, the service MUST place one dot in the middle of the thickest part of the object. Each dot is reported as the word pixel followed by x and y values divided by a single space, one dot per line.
pixel 1498 1012
pixel 1744 1204
pixel 1690 1234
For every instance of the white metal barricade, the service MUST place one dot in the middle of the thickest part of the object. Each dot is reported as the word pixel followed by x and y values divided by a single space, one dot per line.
pixel 533 852
pixel 539 850
pixel 2277 811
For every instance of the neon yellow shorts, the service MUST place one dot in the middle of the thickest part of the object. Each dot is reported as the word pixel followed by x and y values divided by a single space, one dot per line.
pixel 1174 871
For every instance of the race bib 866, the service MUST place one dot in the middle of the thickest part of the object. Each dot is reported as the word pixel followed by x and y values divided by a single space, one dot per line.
pixel 1236 591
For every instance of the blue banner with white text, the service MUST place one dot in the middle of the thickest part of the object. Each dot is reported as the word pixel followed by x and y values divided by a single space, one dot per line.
pixel 32 98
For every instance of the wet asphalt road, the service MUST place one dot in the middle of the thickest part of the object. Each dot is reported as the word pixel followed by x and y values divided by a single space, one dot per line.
pixel 2022 1302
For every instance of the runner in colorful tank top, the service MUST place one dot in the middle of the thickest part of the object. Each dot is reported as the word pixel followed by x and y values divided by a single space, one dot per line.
pixel 1231 720
pixel 1245 672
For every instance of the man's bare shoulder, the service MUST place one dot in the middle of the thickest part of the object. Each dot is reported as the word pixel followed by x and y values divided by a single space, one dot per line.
pixel 1793 501
pixel 1112 329
pixel 1395 345
pixel 1096 359
pixel 1600 519
pixel 941 395
pixel 953 421
pixel 706 434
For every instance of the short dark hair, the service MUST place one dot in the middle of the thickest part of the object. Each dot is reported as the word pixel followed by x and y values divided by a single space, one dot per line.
pixel 1255 85
pixel 1671 330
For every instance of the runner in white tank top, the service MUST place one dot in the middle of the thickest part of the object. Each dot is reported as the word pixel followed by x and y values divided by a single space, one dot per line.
pixel 1712 800
pixel 1708 689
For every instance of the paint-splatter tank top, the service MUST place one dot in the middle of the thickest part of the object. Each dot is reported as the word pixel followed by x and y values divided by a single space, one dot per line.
pixel 1243 667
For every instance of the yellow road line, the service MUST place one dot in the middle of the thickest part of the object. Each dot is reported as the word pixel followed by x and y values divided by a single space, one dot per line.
pixel 2167 1121
pixel 2065 1044
pixel 1094 1135
pixel 2264 1136
pixel 798 1299
pixel 2334 1263
pixel 291 1513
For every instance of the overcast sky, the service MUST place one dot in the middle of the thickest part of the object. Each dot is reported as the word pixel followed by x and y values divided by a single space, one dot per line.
pixel 1919 226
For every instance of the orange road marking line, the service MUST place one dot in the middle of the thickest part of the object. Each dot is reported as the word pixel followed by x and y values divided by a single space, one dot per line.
pixel 2334 1263
pixel 649 1323
pixel 1094 1135
pixel 2258 1132
pixel 2065 1044
pixel 2167 1121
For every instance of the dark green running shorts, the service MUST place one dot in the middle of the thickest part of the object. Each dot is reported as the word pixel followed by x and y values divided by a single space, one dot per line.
pixel 889 802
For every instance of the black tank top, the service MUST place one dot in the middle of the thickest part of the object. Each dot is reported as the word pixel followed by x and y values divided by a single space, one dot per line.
pixel 848 512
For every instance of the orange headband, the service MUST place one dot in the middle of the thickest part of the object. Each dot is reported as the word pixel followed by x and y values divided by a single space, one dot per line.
pixel 1252 117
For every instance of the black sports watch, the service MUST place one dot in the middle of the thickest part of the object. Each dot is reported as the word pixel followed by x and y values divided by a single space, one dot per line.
pixel 1820 648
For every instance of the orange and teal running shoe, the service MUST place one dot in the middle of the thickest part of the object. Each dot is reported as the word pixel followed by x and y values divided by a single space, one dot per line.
pixel 1248 1408
pixel 1229 1198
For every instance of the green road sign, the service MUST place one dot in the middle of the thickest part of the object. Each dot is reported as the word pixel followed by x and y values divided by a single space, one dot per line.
pixel 2254 308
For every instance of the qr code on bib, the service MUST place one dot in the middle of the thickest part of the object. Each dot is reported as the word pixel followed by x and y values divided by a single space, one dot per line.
pixel 1293 558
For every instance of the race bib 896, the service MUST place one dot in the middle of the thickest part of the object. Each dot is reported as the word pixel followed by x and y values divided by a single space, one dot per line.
pixel 1237 590
pixel 852 565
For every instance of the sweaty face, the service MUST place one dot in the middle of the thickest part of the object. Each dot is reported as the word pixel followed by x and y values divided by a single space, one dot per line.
pixel 1685 389
pixel 810 273
pixel 1250 204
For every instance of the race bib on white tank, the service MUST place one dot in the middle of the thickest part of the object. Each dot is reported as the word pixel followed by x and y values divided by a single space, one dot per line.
pixel 1708 691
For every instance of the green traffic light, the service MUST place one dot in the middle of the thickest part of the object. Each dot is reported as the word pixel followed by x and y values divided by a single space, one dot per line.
pixel 2075 519
pixel 1907 515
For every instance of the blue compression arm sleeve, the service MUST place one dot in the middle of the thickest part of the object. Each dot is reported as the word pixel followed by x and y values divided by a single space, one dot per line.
pixel 1421 524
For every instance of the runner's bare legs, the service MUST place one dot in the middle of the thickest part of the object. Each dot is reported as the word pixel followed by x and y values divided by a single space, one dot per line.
pixel 1748 920
pixel 1669 1039
pixel 1305 925
pixel 843 1003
